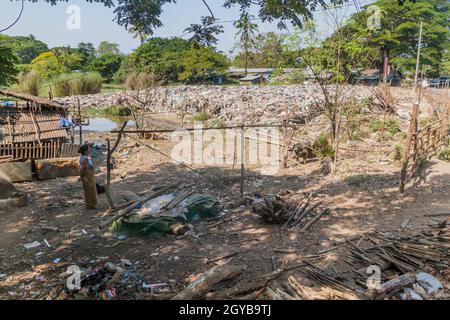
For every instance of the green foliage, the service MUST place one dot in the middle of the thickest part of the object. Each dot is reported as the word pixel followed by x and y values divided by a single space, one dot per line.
pixel 174 59
pixel 205 34
pixel 323 148
pixel 201 116
pixel 51 64
pixel 126 67
pixel 25 48
pixel 107 65
pixel 399 32
pixel 74 84
pixel 87 52
pixel 28 83
pixel 113 111
pixel 161 56
pixel 201 62
pixel 8 70
pixel 246 34
pixel 444 154
pixel 390 126
pixel 106 47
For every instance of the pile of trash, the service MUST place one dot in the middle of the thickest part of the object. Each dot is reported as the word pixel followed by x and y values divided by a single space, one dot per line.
pixel 230 103
pixel 167 213
pixel 113 281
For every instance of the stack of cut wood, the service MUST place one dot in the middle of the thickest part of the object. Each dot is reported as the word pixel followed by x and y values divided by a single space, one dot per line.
pixel 278 210
pixel 273 210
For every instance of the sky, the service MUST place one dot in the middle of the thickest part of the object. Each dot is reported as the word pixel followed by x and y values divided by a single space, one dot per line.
pixel 49 23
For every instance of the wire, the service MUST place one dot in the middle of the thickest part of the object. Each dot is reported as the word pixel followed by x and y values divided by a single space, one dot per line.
pixel 18 18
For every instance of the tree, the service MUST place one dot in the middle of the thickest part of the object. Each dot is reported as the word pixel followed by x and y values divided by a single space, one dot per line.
pixel 200 62
pixel 206 32
pixel 400 29
pixel 246 32
pixel 106 47
pixel 107 65
pixel 25 48
pixel 87 51
pixel 8 71
pixel 139 34
pixel 161 56
pixel 268 52
pixel 56 62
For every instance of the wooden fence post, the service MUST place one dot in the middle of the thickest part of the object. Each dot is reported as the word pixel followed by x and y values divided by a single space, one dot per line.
pixel 406 154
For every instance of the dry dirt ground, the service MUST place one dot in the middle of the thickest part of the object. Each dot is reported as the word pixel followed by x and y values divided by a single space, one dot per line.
pixel 363 196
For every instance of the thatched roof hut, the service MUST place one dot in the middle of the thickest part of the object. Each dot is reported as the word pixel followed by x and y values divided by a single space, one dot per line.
pixel 30 128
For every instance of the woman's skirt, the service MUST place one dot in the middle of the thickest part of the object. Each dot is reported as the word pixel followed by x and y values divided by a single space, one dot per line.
pixel 90 190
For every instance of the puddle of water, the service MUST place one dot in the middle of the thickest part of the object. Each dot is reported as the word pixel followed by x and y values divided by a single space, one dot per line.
pixel 102 124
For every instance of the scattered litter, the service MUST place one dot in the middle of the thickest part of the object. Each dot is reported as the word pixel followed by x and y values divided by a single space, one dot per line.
pixel 57 260
pixel 121 237
pixel 84 231
pixel 2 275
pixel 154 287
pixel 428 282
pixel 126 262
pixel 410 294
pixel 108 294
pixel 32 245
pixel 46 243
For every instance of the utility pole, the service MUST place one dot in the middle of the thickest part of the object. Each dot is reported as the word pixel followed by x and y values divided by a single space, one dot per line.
pixel 416 78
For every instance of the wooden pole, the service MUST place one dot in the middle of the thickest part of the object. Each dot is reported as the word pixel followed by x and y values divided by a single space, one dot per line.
pixel 81 125
pixel 109 165
pixel 406 153
pixel 242 161
pixel 416 77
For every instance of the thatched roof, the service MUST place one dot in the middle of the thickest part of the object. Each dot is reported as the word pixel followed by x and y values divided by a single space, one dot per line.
pixel 39 100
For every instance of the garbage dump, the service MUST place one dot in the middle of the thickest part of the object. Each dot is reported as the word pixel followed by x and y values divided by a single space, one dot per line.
pixel 231 103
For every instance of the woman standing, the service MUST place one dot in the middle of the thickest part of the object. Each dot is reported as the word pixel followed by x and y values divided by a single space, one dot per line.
pixel 87 175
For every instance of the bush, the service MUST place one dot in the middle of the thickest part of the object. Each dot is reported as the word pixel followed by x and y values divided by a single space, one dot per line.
pixel 201 116
pixel 390 125
pixel 323 148
pixel 76 84
pixel 141 81
pixel 117 111
pixel 28 83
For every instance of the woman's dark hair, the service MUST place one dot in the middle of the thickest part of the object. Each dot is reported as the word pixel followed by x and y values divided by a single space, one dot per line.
pixel 83 149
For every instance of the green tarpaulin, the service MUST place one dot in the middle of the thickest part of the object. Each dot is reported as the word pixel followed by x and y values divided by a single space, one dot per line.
pixel 198 207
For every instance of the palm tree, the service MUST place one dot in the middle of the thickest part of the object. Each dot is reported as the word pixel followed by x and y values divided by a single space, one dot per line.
pixel 139 34
pixel 246 32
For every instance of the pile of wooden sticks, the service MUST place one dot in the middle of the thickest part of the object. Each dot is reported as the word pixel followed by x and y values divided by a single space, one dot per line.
pixel 278 210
